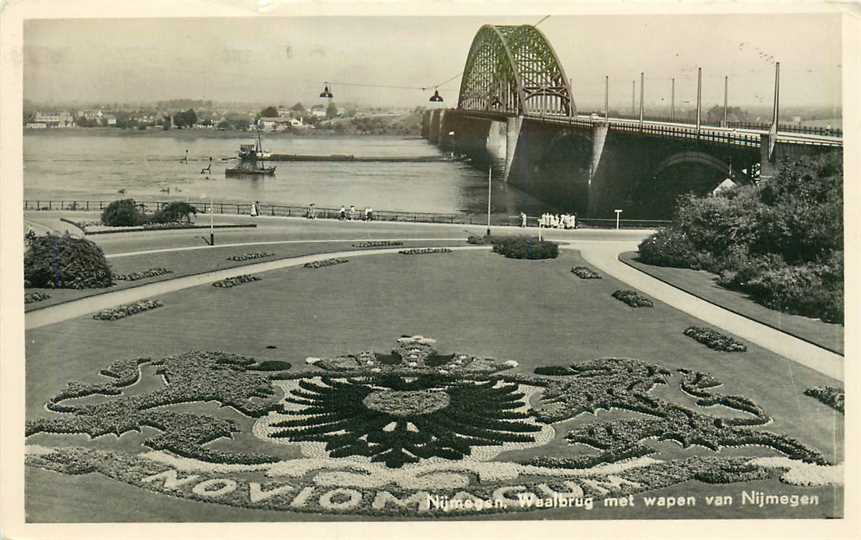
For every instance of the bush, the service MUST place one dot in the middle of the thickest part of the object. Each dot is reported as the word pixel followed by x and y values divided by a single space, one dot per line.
pixel 174 212
pixel 632 298
pixel 521 247
pixel 781 241
pixel 122 213
pixel 64 262
pixel 667 247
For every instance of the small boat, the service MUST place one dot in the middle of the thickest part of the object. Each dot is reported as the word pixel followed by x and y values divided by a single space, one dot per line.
pixel 248 165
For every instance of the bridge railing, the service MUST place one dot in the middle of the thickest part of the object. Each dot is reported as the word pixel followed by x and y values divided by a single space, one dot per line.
pixel 764 126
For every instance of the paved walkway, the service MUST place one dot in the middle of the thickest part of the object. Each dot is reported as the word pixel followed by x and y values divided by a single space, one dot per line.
pixel 605 256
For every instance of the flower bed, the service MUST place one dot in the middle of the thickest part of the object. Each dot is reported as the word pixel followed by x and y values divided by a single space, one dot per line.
pixel 35 296
pixel 135 276
pixel 250 256
pixel 632 298
pixel 227 283
pixel 829 395
pixel 378 243
pixel 584 272
pixel 424 251
pixel 120 312
pixel 326 262
pixel 714 339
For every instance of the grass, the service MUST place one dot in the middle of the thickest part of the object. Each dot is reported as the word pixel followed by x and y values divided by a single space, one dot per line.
pixel 535 312
pixel 183 263
pixel 702 284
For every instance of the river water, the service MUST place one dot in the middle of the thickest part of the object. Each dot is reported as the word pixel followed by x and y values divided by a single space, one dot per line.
pixel 78 165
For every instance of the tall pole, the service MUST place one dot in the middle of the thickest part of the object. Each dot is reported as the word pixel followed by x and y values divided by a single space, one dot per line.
pixel 642 79
pixel 606 97
pixel 633 97
pixel 211 223
pixel 699 98
pixel 775 118
pixel 489 177
pixel 673 101
pixel 725 91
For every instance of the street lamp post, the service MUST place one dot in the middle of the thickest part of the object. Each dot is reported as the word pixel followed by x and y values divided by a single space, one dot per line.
pixel 211 223
pixel 489 178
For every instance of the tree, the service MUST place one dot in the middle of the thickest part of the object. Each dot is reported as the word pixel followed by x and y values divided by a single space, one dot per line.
pixel 331 110
pixel 298 107
pixel 269 112
pixel 733 114
pixel 185 119
pixel 122 213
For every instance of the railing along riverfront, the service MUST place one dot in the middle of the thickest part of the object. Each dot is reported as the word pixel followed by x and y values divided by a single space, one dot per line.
pixel 280 210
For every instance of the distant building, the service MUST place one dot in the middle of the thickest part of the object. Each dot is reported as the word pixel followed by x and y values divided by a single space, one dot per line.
pixel 54 120
pixel 35 125
pixel 319 111
pixel 275 123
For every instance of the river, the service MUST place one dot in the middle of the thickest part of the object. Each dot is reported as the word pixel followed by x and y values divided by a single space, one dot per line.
pixel 89 165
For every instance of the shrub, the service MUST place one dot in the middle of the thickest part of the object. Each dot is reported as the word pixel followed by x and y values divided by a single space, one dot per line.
pixel 520 247
pixel 667 247
pixel 122 213
pixel 714 339
pixel 65 262
pixel 174 212
pixel 584 272
pixel 632 298
pixel 781 241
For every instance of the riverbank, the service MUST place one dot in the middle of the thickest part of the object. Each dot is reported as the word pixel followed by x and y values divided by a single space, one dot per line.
pixel 206 133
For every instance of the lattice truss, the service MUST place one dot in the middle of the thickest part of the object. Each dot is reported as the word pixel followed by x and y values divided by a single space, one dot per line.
pixel 514 70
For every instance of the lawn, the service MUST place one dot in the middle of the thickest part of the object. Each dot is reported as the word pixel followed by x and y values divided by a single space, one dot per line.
pixel 702 284
pixel 535 312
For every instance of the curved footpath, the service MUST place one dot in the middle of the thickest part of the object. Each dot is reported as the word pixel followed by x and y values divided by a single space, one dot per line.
pixel 603 254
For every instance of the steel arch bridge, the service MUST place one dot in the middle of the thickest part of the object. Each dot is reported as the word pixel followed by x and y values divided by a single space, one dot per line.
pixel 513 70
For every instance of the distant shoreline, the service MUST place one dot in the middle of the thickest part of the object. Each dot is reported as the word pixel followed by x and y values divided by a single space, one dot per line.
pixel 203 133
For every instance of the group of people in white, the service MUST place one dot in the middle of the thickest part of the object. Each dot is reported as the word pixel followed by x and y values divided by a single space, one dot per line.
pixel 557 221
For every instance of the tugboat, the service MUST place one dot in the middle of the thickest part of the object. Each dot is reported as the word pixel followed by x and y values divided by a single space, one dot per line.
pixel 248 166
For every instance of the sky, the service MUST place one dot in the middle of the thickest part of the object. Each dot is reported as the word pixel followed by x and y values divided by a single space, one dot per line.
pixel 285 60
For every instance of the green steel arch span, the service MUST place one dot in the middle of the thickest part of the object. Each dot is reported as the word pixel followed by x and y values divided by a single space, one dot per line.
pixel 513 70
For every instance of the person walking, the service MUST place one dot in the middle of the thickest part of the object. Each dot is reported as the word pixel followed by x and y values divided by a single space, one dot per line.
pixel 522 219
pixel 342 213
pixel 254 208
